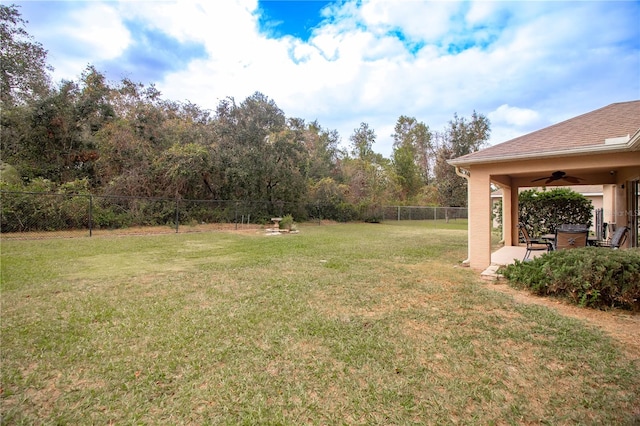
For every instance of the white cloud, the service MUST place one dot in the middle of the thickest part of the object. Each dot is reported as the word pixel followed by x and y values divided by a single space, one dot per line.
pixel 417 19
pixel 212 22
pixel 514 116
pixel 480 12
pixel 524 64
pixel 91 33
pixel 100 29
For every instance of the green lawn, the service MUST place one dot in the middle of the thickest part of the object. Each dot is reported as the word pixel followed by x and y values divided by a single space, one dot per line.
pixel 340 324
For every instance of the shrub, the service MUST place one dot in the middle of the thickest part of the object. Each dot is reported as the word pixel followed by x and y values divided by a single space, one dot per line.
pixel 9 174
pixel 370 213
pixel 287 223
pixel 108 218
pixel 340 212
pixel 592 276
pixel 543 211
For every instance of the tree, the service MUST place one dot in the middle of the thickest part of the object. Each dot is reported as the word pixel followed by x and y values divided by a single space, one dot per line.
pixel 124 165
pixel 181 171
pixel 285 157
pixel 360 169
pixel 411 156
pixel 460 138
pixel 247 137
pixel 406 171
pixel 49 144
pixel 23 80
pixel 416 137
pixel 465 136
pixel 367 173
pixel 256 117
pixel 362 141
pixel 93 104
pixel 322 151
pixel 330 199
pixel 58 139
pixel 23 68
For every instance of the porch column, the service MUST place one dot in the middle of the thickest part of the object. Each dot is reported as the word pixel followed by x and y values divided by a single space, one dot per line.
pixel 620 212
pixel 515 216
pixel 479 219
pixel 507 222
pixel 608 203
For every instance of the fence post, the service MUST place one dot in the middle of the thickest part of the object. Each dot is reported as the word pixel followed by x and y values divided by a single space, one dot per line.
pixel 177 214
pixel 90 215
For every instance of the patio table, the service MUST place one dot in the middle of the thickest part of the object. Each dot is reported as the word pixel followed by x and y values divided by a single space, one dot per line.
pixel 591 240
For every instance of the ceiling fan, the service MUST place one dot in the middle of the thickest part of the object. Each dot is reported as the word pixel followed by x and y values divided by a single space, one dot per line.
pixel 559 175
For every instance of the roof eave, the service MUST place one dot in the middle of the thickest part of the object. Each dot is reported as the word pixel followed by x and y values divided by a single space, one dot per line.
pixel 633 144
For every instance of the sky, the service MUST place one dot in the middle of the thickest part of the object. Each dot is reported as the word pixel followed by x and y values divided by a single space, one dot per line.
pixel 523 64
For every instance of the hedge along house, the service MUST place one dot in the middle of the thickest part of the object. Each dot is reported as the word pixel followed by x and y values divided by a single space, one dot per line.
pixel 601 147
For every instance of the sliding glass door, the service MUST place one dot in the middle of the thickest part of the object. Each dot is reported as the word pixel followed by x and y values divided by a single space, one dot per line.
pixel 633 197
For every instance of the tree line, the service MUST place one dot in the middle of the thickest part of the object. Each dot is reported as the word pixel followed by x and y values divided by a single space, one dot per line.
pixel 124 138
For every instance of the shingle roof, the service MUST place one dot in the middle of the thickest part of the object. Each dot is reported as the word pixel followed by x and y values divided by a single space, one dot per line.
pixel 585 132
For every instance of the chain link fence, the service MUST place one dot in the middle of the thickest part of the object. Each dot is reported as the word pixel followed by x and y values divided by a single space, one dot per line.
pixel 47 215
pixel 423 213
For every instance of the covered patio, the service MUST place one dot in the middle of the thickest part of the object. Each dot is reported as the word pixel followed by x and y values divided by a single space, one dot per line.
pixel 505 256
pixel 601 147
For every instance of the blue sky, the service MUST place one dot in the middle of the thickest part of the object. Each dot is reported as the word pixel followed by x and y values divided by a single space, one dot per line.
pixel 279 18
pixel 524 64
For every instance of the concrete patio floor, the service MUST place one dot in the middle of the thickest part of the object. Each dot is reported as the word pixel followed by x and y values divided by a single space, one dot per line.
pixel 505 256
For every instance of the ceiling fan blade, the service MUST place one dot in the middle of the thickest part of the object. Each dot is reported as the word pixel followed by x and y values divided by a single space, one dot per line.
pixel 572 179
pixel 550 180
pixel 542 178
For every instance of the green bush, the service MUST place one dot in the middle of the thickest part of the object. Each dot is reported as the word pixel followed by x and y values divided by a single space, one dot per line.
pixel 370 213
pixel 108 218
pixel 340 212
pixel 9 174
pixel 287 223
pixel 592 276
pixel 75 212
pixel 543 211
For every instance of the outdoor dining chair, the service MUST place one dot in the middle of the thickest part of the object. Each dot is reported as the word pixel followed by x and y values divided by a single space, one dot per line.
pixel 533 244
pixel 617 239
pixel 573 227
pixel 566 239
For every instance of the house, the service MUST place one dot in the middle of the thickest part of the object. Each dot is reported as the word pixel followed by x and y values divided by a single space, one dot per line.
pixel 601 147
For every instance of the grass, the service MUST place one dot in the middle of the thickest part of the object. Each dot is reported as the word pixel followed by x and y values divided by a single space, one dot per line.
pixel 341 324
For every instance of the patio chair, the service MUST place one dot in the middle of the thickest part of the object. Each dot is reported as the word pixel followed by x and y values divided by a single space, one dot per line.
pixel 533 244
pixel 617 239
pixel 570 239
pixel 573 227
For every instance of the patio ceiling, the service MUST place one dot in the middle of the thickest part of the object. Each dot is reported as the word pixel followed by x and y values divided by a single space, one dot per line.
pixel 601 176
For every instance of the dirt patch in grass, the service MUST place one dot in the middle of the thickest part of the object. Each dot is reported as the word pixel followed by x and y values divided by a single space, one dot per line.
pixel 622 325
